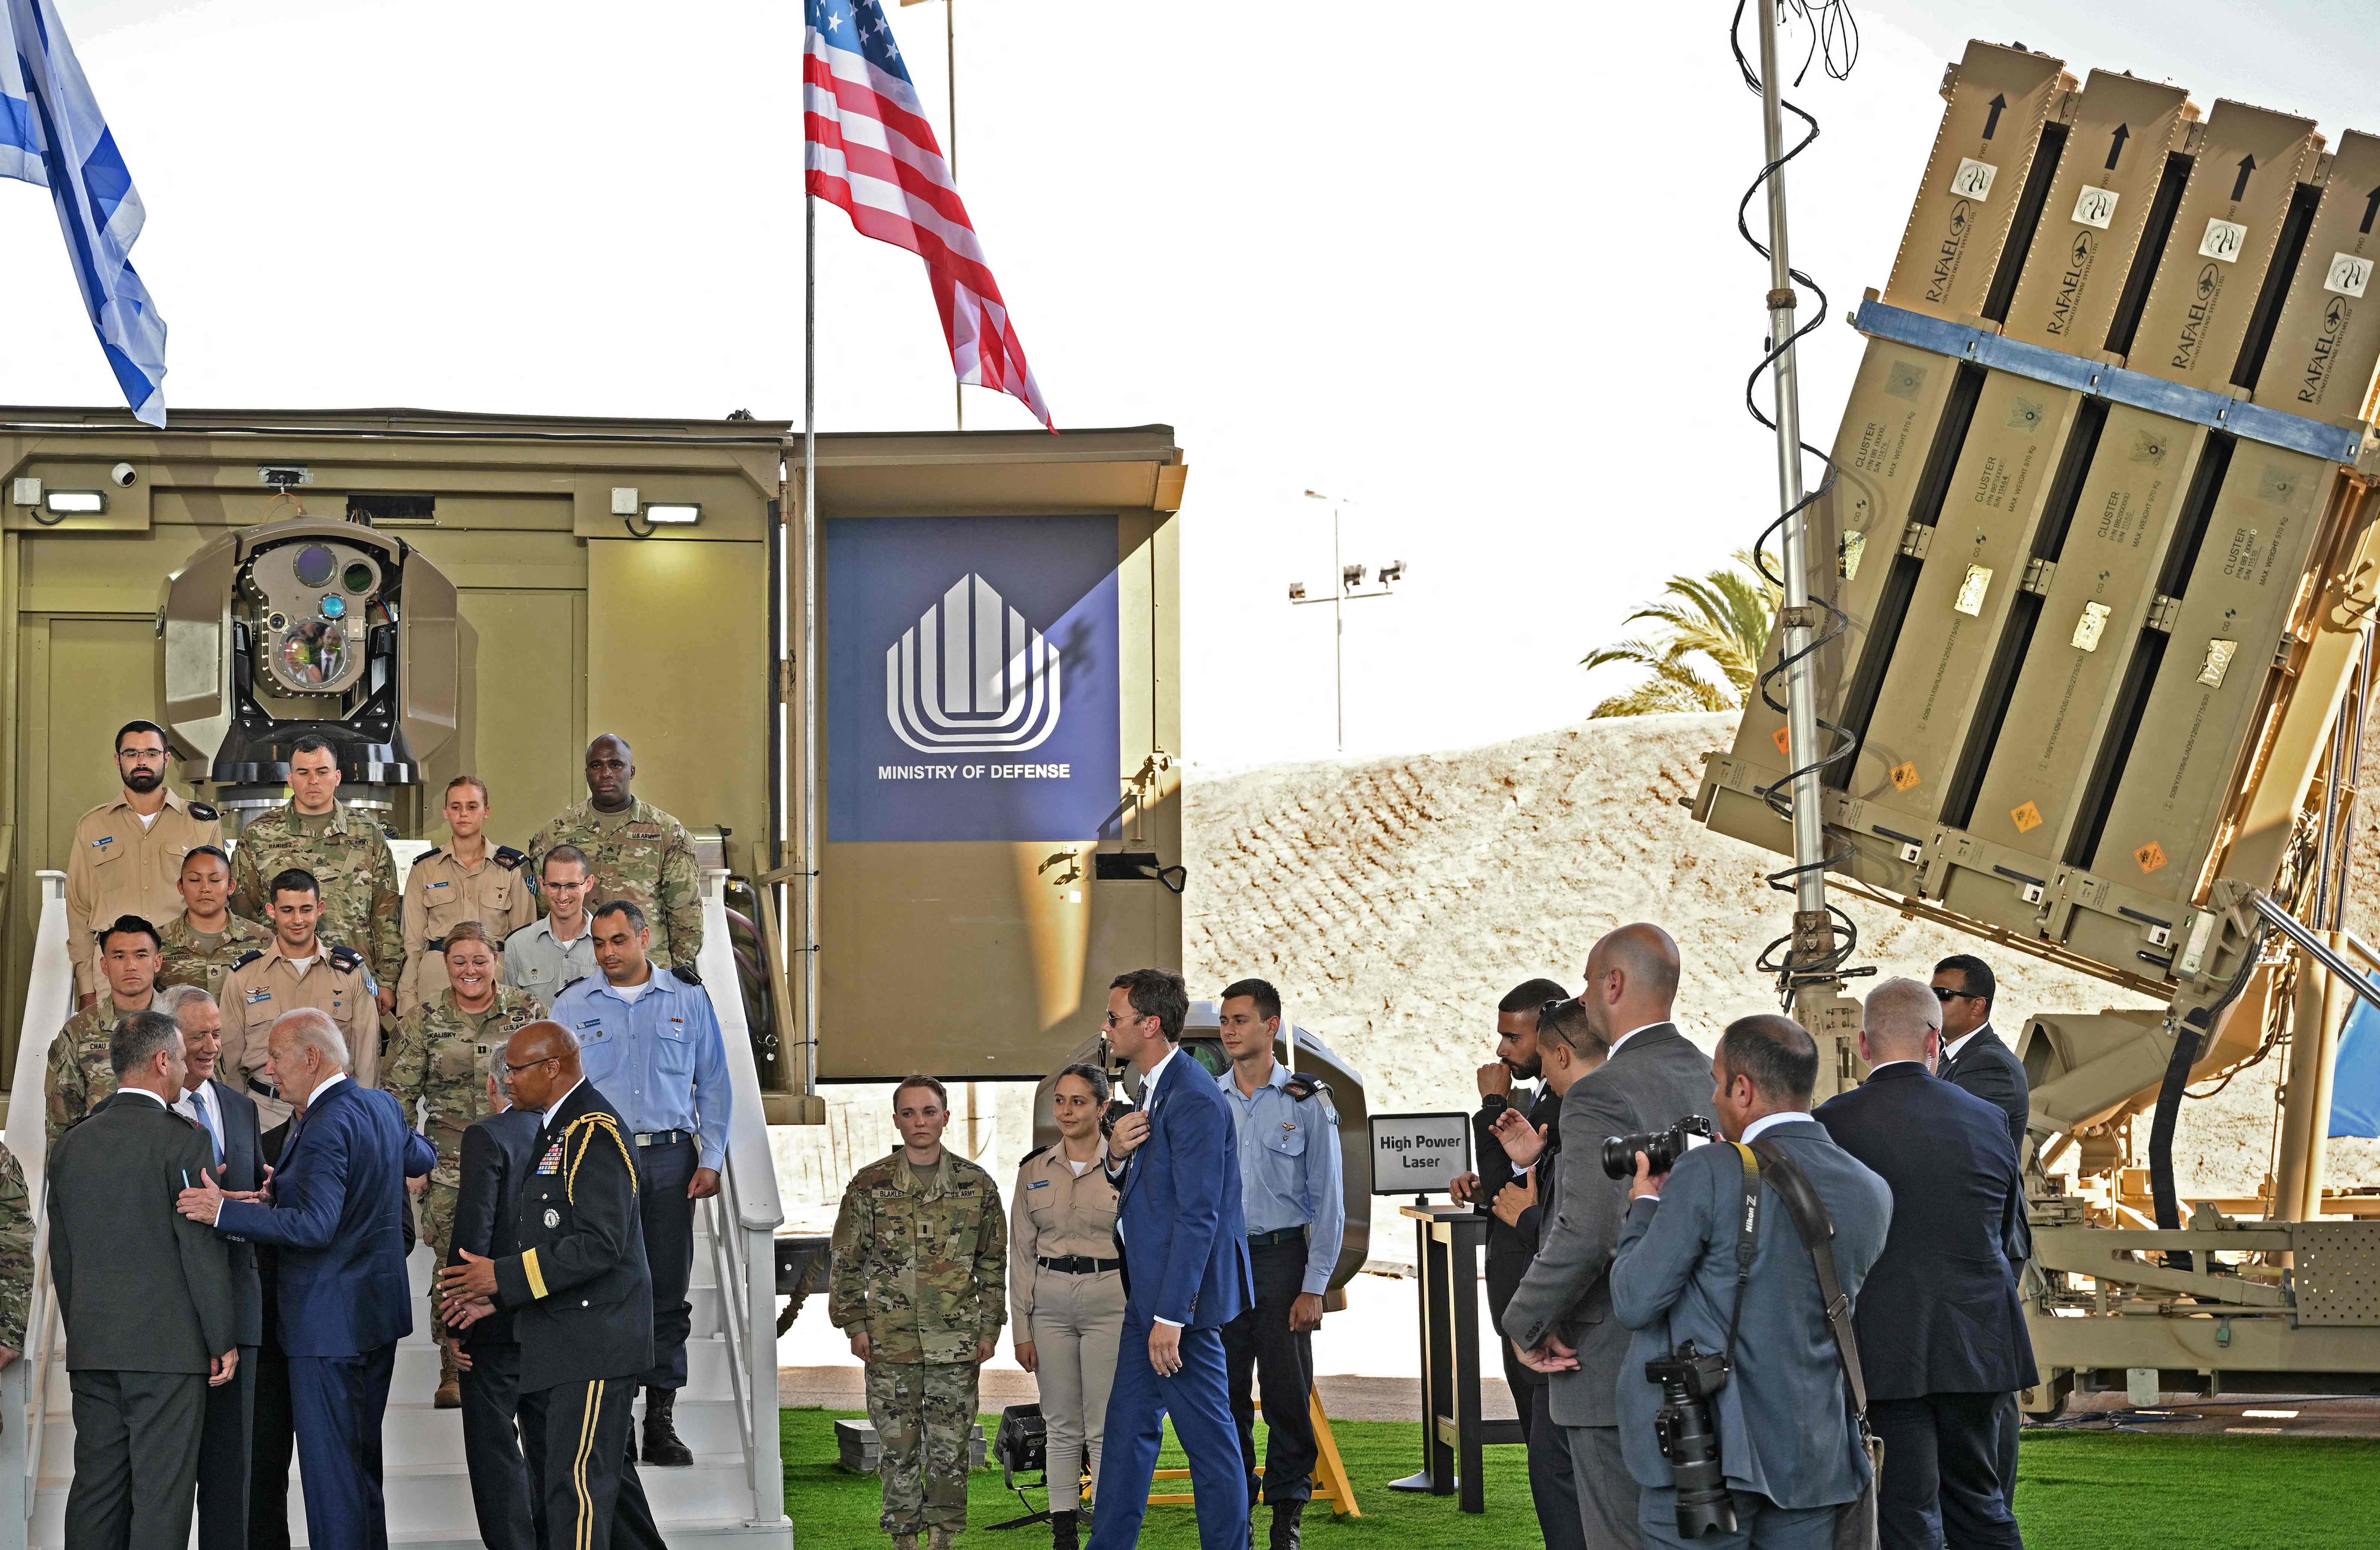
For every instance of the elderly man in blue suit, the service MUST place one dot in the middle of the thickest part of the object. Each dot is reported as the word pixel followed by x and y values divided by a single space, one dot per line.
pixel 1788 1444
pixel 335 1210
pixel 1942 1333
pixel 1185 1274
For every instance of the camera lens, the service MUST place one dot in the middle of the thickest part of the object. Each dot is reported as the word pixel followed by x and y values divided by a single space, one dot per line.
pixel 357 577
pixel 315 565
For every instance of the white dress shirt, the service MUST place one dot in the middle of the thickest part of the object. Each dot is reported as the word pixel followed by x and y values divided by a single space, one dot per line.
pixel 1629 1035
pixel 1148 1095
pixel 546 1117
pixel 1951 1050
pixel 195 1104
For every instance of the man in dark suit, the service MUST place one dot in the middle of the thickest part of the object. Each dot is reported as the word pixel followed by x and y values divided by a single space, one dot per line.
pixel 1787 1444
pixel 1185 1273
pixel 580 1295
pixel 1976 1058
pixel 498 1152
pixel 152 1320
pixel 229 1119
pixel 1942 1332
pixel 1558 1319
pixel 332 1213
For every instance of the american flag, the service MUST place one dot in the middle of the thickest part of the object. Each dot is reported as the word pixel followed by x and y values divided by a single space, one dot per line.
pixel 873 152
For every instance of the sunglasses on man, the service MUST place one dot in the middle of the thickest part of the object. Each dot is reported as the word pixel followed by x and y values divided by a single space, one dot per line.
pixel 1944 993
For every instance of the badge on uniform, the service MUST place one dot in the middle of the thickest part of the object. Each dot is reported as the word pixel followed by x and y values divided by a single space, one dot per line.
pixel 552 1218
pixel 259 994
pixel 440 885
pixel 1038 1184
pixel 102 841
pixel 553 1161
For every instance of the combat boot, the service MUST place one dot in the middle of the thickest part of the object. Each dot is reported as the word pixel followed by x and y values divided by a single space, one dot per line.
pixel 1061 1531
pixel 904 1542
pixel 943 1539
pixel 1286 1524
pixel 450 1379
pixel 661 1443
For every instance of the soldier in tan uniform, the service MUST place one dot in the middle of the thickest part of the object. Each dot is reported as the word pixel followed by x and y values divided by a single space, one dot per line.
pixel 81 1076
pixel 296 969
pixel 634 852
pixel 202 942
pixel 127 854
pixel 467 880
pixel 346 851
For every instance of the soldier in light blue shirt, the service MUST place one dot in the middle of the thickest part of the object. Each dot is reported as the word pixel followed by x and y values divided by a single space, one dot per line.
pixel 649 1043
pixel 1296 1217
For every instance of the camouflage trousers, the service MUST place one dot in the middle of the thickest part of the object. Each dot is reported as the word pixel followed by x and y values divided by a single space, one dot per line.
pixel 924 1413
pixel 438 1232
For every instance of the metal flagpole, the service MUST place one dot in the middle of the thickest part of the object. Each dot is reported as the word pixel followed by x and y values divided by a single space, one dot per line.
pixel 1812 931
pixel 809 948
pixel 951 46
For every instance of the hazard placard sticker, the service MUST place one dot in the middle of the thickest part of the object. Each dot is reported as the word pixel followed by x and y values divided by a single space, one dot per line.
pixel 1904 776
pixel 1777 737
pixel 2027 818
pixel 2151 857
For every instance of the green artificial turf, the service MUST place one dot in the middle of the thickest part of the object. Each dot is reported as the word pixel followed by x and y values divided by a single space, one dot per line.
pixel 2076 1490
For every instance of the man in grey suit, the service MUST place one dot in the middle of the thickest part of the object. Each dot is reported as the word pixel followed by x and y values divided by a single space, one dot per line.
pixel 229 1118
pixel 1787 1443
pixel 147 1298
pixel 1559 1317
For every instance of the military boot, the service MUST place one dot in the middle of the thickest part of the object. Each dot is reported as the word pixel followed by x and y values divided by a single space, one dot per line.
pixel 904 1542
pixel 1286 1524
pixel 1061 1531
pixel 661 1443
pixel 940 1538
pixel 450 1379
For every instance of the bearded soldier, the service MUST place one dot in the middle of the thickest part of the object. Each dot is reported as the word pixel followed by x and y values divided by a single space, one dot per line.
pixel 440 1057
pixel 345 852
pixel 634 852
pixel 920 1261
pixel 127 853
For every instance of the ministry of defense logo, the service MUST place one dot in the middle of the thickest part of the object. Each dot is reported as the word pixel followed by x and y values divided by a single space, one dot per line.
pixel 971 677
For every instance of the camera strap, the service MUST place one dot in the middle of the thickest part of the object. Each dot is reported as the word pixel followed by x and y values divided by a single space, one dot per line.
pixel 1817 1232
pixel 1747 1240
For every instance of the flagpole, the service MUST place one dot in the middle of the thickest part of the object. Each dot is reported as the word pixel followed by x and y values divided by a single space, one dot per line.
pixel 809 631
pixel 951 46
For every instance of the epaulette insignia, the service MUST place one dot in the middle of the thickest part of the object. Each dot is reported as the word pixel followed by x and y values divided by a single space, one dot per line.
pixel 572 985
pixel 509 858
pixel 245 959
pixel 1303 1085
pixel 1030 1156
pixel 203 813
pixel 346 958
pixel 688 974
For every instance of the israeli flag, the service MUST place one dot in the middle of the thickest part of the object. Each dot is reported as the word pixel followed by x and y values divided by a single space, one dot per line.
pixel 53 134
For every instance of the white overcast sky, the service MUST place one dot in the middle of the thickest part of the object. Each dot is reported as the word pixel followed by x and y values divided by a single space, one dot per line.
pixel 1473 267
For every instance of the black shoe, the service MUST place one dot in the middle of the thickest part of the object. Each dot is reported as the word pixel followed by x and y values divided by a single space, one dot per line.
pixel 661 1443
pixel 1286 1524
pixel 1061 1531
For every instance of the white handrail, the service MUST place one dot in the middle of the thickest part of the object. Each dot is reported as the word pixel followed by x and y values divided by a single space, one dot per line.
pixel 749 1213
pixel 24 1386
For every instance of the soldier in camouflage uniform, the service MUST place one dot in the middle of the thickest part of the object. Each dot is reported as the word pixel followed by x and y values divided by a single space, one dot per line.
pixel 202 942
pixel 16 1255
pixel 634 852
pixel 440 1057
pixel 80 1074
pixel 920 1247
pixel 347 854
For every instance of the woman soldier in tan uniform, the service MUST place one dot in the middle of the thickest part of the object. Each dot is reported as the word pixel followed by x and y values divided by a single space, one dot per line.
pixel 1065 1285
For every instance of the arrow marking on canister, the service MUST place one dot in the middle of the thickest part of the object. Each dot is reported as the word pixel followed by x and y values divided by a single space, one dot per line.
pixel 2116 145
pixel 1991 125
pixel 2371 208
pixel 2240 189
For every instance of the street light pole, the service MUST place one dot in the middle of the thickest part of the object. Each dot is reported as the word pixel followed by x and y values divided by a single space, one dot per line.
pixel 1342 593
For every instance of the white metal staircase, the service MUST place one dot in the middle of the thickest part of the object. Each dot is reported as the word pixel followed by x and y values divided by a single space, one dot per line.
pixel 733 1495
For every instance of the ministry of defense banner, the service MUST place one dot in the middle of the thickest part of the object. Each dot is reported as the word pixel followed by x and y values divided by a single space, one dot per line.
pixel 971 677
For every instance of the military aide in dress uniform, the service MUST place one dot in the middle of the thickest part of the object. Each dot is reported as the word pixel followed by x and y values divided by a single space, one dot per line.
pixel 79 1076
pixel 634 851
pixel 297 970
pixel 919 1253
pixel 347 854
pixel 650 1041
pixel 128 852
pixel 440 1057
pixel 1066 1287
pixel 560 950
pixel 580 1298
pixel 467 880
pixel 202 942
pixel 1296 1218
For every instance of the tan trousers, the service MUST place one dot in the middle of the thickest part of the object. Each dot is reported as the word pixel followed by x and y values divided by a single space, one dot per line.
pixel 1077 1322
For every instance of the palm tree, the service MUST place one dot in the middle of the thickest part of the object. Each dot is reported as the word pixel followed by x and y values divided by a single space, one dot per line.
pixel 1723 618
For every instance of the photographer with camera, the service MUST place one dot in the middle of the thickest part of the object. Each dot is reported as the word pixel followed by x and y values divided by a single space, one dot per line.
pixel 1558 1320
pixel 1735 1417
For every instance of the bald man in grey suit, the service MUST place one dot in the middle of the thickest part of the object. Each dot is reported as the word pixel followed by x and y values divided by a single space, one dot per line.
pixel 1559 1318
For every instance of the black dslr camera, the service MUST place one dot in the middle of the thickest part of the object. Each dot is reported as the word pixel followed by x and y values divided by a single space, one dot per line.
pixel 1689 1438
pixel 1663 1148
